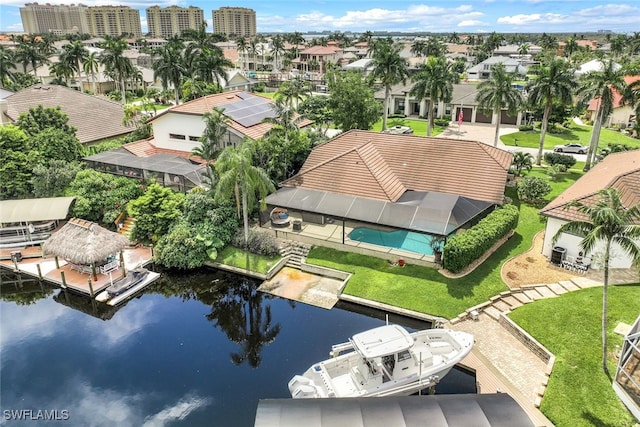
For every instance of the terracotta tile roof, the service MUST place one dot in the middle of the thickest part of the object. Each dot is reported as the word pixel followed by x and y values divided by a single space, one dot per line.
pixel 95 118
pixel 207 103
pixel 146 148
pixel 617 96
pixel 384 166
pixel 320 50
pixel 618 170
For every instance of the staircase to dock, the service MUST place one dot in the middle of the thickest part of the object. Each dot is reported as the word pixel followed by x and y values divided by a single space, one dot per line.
pixel 295 251
pixel 127 226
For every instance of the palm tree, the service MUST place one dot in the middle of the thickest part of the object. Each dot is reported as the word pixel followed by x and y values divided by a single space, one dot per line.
pixel 90 66
pixel 211 140
pixel 277 50
pixel 607 221
pixel 32 51
pixel 389 68
pixel 242 45
pixel 6 66
pixel 115 63
pixel 434 80
pixel 169 67
pixel 498 93
pixel 553 81
pixel 521 160
pixel 238 176
pixel 63 72
pixel 75 53
pixel 211 66
pixel 600 86
pixel 292 91
pixel 454 38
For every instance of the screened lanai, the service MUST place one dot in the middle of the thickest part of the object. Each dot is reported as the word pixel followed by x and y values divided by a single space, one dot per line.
pixel 424 212
pixel 168 170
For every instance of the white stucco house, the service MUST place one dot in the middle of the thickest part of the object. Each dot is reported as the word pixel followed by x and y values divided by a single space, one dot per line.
pixel 619 170
pixel 623 113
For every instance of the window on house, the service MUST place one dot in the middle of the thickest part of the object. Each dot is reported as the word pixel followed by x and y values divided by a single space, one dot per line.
pixel 176 136
pixel 194 138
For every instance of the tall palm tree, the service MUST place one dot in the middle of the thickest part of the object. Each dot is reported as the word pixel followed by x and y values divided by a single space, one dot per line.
pixel 32 51
pixel 277 50
pixel 90 66
pixel 169 68
pixel 115 63
pixel 63 72
pixel 6 66
pixel 211 66
pixel 498 93
pixel 552 81
pixel 607 221
pixel 237 175
pixel 389 68
pixel 600 86
pixel 434 81
pixel 293 91
pixel 75 53
pixel 242 45
pixel 212 138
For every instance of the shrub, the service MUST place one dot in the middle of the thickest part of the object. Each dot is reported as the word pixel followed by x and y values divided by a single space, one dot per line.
pixel 464 248
pixel 554 171
pixel 533 188
pixel 559 159
pixel 525 128
pixel 259 242
pixel 442 122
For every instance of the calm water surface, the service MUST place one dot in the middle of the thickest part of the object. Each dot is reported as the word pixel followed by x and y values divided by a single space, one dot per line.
pixel 198 350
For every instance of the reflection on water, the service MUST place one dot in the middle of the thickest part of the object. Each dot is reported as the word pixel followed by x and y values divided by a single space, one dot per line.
pixel 196 349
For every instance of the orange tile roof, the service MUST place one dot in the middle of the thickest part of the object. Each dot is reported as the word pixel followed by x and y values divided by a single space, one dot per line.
pixel 146 148
pixel 617 96
pixel 207 103
pixel 618 170
pixel 384 166
pixel 321 50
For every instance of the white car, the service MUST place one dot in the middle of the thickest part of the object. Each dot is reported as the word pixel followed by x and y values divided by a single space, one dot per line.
pixel 571 148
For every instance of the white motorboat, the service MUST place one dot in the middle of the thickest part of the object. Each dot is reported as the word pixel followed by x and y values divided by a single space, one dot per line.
pixel 384 361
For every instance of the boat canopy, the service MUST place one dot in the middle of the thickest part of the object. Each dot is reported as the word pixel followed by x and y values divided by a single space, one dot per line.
pixel 382 341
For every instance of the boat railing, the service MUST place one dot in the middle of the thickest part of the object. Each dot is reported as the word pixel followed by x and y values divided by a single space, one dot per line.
pixel 337 349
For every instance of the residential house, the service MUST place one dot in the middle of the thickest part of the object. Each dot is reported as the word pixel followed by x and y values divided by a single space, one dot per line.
pixel 593 65
pixel 316 58
pixel 95 118
pixel 622 114
pixel 463 98
pixel 482 71
pixel 166 157
pixel 618 170
pixel 400 182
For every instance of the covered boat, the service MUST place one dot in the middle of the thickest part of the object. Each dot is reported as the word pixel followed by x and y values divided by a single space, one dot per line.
pixel 384 361
pixel 131 279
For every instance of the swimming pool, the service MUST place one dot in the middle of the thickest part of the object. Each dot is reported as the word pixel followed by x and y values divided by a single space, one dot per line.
pixel 399 239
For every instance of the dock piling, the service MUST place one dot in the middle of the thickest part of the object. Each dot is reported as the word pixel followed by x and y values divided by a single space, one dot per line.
pixel 57 262
pixel 64 281
pixel 90 288
pixel 39 271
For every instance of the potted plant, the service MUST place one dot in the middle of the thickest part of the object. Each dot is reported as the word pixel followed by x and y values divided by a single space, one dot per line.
pixel 437 242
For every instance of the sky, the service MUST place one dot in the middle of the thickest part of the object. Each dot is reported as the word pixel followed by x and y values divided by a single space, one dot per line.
pixel 461 16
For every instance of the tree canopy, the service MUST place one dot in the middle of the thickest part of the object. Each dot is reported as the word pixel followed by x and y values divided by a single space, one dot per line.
pixel 352 101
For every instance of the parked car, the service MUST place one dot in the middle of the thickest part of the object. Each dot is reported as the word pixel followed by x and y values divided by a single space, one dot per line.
pixel 571 148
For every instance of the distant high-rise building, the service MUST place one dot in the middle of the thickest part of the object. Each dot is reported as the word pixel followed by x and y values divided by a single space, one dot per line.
pixel 114 21
pixel 56 19
pixel 235 21
pixel 173 20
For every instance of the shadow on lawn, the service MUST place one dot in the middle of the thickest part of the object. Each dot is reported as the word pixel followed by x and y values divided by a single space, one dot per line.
pixel 595 421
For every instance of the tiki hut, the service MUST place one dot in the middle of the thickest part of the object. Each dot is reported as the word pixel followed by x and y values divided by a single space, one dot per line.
pixel 84 243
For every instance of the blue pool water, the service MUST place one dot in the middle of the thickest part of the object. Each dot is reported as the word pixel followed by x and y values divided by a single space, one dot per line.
pixel 400 239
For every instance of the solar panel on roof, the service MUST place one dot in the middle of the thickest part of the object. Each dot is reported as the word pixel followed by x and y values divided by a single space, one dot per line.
pixel 250 111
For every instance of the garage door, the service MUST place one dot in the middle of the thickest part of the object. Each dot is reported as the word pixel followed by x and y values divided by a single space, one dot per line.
pixel 466 111
pixel 483 116
pixel 506 119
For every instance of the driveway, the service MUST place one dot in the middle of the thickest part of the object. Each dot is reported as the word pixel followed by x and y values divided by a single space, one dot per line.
pixel 485 133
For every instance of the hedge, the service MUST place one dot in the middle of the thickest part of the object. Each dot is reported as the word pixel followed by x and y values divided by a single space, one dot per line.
pixel 559 159
pixel 464 248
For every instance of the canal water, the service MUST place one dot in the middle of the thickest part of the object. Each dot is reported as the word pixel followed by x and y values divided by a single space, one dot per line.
pixel 197 349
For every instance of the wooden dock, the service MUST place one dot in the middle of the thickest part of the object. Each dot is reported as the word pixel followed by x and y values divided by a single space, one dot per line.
pixel 113 301
pixel 59 273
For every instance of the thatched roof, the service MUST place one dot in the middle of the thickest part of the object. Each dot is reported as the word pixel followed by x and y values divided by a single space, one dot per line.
pixel 84 242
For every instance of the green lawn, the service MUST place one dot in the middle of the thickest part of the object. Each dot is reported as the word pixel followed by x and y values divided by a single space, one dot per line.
pixel 425 290
pixel 241 259
pixel 579 393
pixel 419 126
pixel 578 134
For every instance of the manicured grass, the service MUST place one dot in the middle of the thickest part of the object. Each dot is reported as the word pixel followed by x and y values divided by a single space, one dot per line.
pixel 579 393
pixel 419 126
pixel 241 259
pixel 267 94
pixel 578 134
pixel 425 290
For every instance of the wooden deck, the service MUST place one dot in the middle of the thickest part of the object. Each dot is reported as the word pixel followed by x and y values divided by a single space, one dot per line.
pixel 35 265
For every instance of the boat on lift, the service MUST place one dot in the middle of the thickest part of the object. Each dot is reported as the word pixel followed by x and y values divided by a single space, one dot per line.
pixel 384 361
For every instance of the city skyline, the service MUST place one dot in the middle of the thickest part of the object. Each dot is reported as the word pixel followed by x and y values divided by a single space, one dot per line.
pixel 470 16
